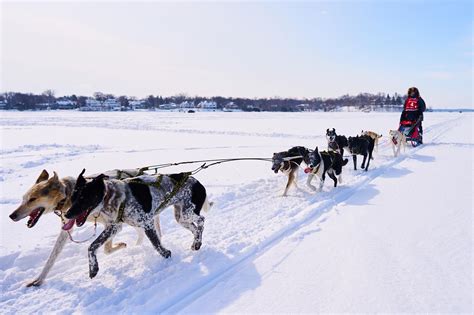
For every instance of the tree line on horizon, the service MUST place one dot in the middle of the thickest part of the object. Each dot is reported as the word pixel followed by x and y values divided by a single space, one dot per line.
pixel 362 101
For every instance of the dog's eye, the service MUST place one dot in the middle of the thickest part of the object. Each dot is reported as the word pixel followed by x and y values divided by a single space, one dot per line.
pixel 32 199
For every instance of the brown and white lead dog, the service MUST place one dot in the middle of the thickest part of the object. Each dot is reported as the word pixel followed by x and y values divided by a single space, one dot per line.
pixel 398 140
pixel 375 136
pixel 50 194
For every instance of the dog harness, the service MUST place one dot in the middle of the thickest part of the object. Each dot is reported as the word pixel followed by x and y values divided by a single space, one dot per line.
pixel 177 187
pixel 121 172
pixel 120 212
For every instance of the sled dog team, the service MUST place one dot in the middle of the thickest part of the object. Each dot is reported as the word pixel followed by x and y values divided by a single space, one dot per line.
pixel 330 162
pixel 132 197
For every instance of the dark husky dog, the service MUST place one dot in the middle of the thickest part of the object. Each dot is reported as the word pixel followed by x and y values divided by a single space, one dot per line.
pixel 336 142
pixel 136 201
pixel 323 162
pixel 362 145
pixel 288 163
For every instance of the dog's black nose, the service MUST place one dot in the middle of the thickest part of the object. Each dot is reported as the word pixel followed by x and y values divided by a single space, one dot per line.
pixel 13 216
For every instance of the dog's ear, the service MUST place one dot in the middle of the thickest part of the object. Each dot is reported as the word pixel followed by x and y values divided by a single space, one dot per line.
pixel 54 179
pixel 43 176
pixel 327 130
pixel 316 149
pixel 334 130
pixel 80 179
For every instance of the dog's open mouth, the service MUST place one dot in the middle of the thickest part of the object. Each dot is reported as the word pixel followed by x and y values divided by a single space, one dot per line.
pixel 34 217
pixel 308 170
pixel 79 220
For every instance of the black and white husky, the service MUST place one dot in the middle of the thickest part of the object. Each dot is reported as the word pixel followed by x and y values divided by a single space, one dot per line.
pixel 137 201
pixel 336 143
pixel 324 162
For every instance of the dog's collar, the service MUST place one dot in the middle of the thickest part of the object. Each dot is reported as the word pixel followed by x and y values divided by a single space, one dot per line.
pixel 62 202
pixel 285 166
pixel 317 168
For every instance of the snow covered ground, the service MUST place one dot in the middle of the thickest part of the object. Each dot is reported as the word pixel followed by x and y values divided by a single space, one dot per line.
pixel 395 239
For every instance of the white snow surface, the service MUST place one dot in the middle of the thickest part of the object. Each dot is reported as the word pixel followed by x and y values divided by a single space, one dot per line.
pixel 395 239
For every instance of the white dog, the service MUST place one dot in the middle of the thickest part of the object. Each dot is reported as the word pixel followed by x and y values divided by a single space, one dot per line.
pixel 398 140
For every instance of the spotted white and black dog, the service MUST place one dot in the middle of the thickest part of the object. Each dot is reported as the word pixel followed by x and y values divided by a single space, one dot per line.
pixel 320 163
pixel 137 201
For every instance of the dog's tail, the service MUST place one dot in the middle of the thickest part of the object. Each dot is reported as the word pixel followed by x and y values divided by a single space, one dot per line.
pixel 379 136
pixel 207 205
pixel 345 162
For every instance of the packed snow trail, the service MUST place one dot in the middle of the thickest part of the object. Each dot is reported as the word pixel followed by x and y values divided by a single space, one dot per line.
pixel 312 214
pixel 394 246
pixel 247 221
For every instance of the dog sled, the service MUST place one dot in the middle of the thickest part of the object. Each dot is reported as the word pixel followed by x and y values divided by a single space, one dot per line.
pixel 411 130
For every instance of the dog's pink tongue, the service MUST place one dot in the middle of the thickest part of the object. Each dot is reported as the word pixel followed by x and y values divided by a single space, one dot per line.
pixel 67 226
pixel 308 170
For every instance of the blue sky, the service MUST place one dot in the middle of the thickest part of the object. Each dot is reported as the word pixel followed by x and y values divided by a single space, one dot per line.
pixel 248 49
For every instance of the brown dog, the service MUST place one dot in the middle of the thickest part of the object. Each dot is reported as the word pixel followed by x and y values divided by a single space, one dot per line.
pixel 374 136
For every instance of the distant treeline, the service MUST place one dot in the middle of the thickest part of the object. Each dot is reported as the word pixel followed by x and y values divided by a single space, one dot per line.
pixel 48 100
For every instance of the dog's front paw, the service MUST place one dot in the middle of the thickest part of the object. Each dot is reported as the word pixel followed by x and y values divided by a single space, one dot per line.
pixel 196 245
pixel 166 253
pixel 34 283
pixel 312 188
pixel 93 270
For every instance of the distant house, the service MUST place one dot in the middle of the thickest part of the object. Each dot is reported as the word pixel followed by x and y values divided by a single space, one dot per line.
pixel 111 104
pixel 186 105
pixel 92 105
pixel 138 104
pixel 231 107
pixel 66 104
pixel 168 106
pixel 210 105
pixel 3 105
